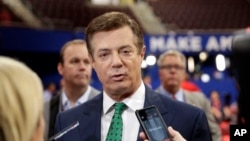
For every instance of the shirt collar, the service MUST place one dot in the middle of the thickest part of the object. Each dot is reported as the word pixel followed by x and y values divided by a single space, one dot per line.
pixel 82 99
pixel 134 102
pixel 179 95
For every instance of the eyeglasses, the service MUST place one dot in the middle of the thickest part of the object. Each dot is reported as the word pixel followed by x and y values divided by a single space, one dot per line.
pixel 169 67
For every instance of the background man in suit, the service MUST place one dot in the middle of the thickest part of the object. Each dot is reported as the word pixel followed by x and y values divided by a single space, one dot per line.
pixel 172 71
pixel 75 68
pixel 115 44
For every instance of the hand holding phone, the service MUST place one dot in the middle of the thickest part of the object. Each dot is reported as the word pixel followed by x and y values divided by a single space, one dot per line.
pixel 153 124
pixel 175 135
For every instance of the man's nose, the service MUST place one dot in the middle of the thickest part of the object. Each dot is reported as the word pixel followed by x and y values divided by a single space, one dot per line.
pixel 116 60
pixel 82 65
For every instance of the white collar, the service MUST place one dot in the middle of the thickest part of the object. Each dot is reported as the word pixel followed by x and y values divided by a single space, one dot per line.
pixel 134 102
pixel 81 100
pixel 179 95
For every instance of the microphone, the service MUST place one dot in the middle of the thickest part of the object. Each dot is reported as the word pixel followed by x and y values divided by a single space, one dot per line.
pixel 64 131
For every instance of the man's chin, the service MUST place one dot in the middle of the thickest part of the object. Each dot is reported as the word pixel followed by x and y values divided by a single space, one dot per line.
pixel 119 87
pixel 172 85
pixel 82 84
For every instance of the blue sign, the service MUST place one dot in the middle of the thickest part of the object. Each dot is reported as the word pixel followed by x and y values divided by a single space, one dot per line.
pixel 189 43
pixel 24 39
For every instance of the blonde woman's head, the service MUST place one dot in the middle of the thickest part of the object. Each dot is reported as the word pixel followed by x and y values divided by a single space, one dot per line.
pixel 21 102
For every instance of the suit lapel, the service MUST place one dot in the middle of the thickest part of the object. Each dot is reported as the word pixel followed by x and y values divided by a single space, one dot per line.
pixel 164 107
pixel 91 119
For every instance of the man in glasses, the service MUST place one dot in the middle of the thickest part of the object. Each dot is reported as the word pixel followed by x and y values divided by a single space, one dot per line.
pixel 172 71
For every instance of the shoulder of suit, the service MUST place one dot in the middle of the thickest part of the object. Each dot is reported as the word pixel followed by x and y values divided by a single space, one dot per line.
pixel 195 93
pixel 54 101
pixel 177 105
pixel 86 106
pixel 196 98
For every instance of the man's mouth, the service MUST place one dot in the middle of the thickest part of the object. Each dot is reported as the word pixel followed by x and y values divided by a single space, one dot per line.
pixel 118 77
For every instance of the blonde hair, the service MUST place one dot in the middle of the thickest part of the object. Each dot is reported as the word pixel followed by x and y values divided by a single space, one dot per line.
pixel 21 101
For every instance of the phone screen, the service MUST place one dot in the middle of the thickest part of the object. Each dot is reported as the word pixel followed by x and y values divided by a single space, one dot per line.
pixel 153 124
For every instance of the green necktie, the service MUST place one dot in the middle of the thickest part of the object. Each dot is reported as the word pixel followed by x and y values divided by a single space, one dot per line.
pixel 115 128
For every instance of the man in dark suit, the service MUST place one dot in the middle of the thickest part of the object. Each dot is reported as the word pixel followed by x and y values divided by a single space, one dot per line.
pixel 75 69
pixel 115 44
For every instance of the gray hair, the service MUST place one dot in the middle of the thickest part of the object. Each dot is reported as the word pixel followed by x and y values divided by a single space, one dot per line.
pixel 171 53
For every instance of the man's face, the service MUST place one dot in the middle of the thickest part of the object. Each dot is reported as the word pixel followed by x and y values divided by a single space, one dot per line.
pixel 76 68
pixel 172 72
pixel 116 60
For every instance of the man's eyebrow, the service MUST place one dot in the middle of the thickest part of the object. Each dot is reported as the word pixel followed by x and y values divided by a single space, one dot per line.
pixel 74 58
pixel 107 49
pixel 125 46
pixel 103 49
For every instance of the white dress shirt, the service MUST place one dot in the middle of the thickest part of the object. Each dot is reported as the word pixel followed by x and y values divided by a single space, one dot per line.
pixel 130 122
pixel 66 103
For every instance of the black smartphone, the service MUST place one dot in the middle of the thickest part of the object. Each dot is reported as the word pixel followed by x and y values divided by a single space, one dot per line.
pixel 152 123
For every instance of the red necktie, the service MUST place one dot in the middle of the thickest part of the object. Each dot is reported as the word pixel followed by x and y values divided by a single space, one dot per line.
pixel 173 96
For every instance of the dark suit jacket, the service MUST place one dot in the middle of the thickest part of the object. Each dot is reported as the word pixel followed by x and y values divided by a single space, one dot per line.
pixel 52 108
pixel 190 121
